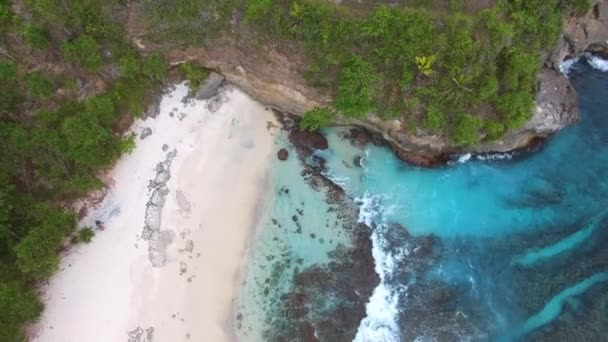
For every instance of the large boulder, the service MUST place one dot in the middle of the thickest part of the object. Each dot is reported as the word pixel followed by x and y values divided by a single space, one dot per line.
pixel 309 141
pixel 210 86
pixel 282 154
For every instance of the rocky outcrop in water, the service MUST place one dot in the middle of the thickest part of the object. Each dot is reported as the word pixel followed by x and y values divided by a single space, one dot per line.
pixel 327 302
pixel 282 154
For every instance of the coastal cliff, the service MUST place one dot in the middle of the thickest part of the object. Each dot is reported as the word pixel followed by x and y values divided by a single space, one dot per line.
pixel 275 78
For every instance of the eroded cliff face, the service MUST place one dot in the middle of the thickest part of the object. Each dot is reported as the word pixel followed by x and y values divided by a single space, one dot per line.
pixel 275 79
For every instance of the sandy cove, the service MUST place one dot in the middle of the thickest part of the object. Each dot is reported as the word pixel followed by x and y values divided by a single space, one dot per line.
pixel 195 228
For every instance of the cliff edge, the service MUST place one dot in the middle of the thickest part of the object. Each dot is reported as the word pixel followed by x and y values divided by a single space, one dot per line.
pixel 274 78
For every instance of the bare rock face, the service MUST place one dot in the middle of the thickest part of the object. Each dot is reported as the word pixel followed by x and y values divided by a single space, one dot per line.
pixel 582 34
pixel 601 11
pixel 557 105
pixel 210 86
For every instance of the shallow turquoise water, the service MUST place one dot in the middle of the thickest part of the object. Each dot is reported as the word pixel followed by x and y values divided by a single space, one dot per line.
pixel 298 228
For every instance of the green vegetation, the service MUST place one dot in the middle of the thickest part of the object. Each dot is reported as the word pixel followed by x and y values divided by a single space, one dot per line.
pixel 39 84
pixel 58 133
pixel 84 51
pixel 446 68
pixel 356 87
pixel 466 129
pixel 426 64
pixel 85 235
pixel 316 119
pixel 194 73
pixel 36 37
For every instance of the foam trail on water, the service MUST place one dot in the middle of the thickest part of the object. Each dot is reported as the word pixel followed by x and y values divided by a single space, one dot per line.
pixel 554 307
pixel 382 311
pixel 534 256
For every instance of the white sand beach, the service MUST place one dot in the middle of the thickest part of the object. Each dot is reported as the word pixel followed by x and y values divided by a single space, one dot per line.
pixel 109 290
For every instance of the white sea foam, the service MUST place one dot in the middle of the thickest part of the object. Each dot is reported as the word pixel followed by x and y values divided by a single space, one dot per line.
pixel 494 156
pixel 566 66
pixel 597 62
pixel 464 158
pixel 380 323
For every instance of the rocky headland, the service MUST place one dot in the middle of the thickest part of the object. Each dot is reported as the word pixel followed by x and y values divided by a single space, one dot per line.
pixel 274 78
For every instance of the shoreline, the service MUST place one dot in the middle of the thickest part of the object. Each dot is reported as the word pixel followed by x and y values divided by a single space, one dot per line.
pixel 177 281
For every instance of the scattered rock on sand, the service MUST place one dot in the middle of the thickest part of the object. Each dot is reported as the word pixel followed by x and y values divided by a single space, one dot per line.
pixel 158 240
pixel 282 154
pixel 145 133
pixel 137 335
pixel 210 86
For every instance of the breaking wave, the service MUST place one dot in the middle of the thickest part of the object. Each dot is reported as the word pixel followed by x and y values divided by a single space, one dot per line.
pixel 382 311
pixel 594 61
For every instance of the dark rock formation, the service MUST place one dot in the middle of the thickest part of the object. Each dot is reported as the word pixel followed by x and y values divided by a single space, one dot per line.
pixel 210 86
pixel 328 301
pixel 282 154
pixel 308 141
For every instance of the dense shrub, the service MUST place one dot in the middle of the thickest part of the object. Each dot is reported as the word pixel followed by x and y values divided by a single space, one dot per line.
pixel 84 51
pixel 356 88
pixel 18 305
pixel 316 119
pixel 434 119
pixel 36 253
pixel 5 12
pixel 194 73
pixel 466 130
pixel 493 129
pixel 40 85
pixel 85 235
pixel 36 37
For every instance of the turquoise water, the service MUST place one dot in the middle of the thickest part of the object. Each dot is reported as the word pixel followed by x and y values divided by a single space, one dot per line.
pixel 298 229
pixel 510 248
pixel 511 229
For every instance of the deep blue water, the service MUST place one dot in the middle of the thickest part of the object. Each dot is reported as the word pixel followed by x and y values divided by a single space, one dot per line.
pixel 520 250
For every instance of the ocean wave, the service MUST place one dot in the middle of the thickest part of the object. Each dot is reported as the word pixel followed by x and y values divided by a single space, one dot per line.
pixel 566 66
pixel 495 156
pixel 464 158
pixel 597 63
pixel 467 157
pixel 594 61
pixel 382 311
